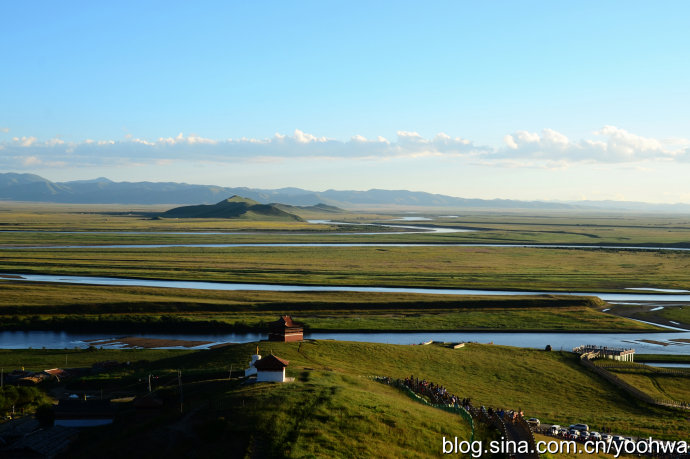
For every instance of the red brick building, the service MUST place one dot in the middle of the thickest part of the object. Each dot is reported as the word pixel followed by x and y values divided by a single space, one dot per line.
pixel 284 329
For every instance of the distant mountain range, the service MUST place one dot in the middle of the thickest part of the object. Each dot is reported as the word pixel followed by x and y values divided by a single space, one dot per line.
pixel 30 187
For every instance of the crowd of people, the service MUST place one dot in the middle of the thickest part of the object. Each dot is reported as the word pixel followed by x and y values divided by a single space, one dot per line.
pixel 436 393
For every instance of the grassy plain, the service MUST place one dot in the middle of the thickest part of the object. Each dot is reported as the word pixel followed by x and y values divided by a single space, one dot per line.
pixel 516 268
pixel 493 227
pixel 670 358
pixel 52 306
pixel 41 359
pixel 678 314
pixel 321 414
pixel 658 383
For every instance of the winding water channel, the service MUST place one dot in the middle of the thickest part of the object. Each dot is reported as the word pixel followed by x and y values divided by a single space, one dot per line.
pixel 647 343
pixel 675 341
pixel 200 285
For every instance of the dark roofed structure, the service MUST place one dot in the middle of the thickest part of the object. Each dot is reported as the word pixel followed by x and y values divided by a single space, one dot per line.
pixel 284 329
pixel 43 443
pixel 271 369
pixel 271 363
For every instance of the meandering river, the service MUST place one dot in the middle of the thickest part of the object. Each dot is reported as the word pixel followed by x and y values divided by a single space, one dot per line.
pixel 200 285
pixel 645 343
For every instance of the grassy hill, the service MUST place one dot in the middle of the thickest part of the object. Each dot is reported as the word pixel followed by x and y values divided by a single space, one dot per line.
pixel 235 207
pixel 334 409
pixel 321 414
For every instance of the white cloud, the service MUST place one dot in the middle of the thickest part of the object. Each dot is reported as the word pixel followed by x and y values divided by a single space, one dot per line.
pixel 548 149
pixel 31 161
pixel 616 145
pixel 4 130
pixel 25 141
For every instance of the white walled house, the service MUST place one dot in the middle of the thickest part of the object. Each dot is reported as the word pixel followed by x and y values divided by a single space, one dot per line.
pixel 270 369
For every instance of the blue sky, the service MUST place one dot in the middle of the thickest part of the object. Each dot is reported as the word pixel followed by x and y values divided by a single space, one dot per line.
pixel 522 100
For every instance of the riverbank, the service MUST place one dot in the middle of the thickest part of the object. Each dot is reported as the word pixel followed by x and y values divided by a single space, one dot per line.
pixel 123 309
pixel 667 313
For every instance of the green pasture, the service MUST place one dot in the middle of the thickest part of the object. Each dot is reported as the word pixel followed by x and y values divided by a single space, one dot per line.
pixel 492 227
pixel 541 383
pixel 333 407
pixel 461 267
pixel 672 384
pixel 58 306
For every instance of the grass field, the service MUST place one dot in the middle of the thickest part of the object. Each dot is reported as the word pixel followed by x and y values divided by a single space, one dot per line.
pixel 492 226
pixel 56 306
pixel 541 383
pixel 41 359
pixel 679 314
pixel 462 267
pixel 322 414
pixel 658 383
pixel 670 358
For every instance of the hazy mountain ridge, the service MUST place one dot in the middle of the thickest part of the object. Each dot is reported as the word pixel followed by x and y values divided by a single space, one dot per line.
pixel 31 187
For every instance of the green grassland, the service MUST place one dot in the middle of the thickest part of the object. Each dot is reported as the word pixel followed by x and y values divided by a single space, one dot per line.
pixel 333 408
pixel 672 314
pixel 462 267
pixel 58 306
pixel 41 359
pixel 679 314
pixel 658 383
pixel 491 227
pixel 670 358
pixel 321 414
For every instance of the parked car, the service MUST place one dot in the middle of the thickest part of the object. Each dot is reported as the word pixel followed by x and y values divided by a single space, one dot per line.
pixel 617 439
pixel 533 423
pixel 553 430
pixel 595 436
pixel 606 438
pixel 579 427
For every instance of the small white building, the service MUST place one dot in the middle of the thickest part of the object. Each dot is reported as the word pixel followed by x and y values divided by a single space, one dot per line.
pixel 604 352
pixel 270 369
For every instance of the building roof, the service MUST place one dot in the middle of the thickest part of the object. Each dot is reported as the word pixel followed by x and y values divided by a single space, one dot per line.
pixel 59 372
pixel 271 363
pixel 285 321
pixel 43 443
pixel 74 409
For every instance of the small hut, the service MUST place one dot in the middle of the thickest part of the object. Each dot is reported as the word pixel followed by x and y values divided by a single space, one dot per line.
pixel 285 330
pixel 270 369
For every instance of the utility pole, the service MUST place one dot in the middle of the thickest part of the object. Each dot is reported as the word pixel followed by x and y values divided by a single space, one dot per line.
pixel 179 383
pixel 230 375
pixel 149 383
pixel 2 378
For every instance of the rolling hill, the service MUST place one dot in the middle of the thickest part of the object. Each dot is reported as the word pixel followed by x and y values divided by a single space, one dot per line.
pixel 234 207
